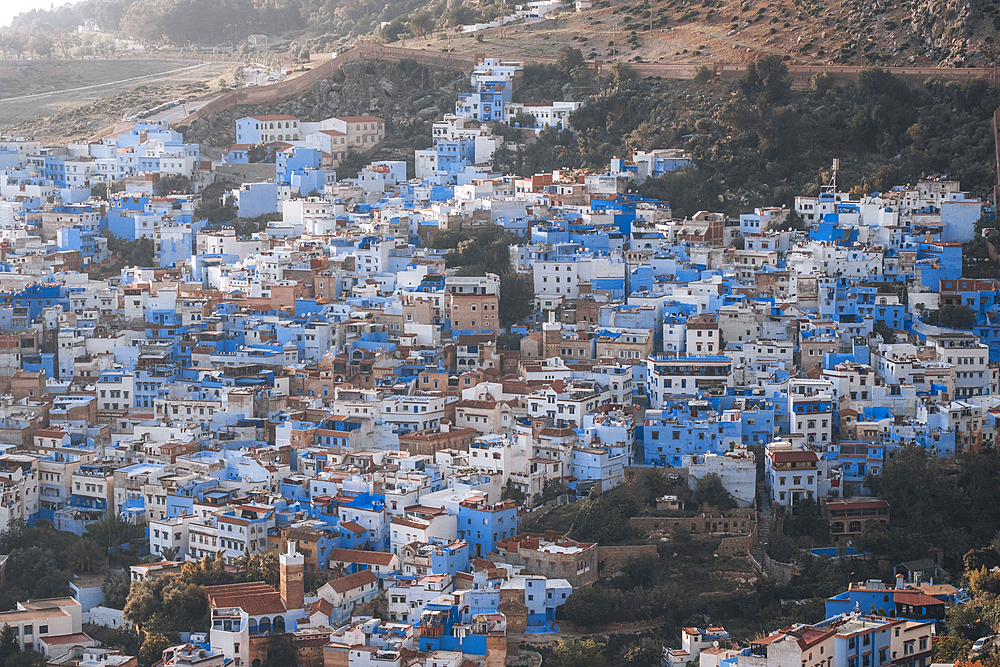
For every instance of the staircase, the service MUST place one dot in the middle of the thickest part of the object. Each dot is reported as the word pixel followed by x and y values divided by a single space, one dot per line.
pixel 763 522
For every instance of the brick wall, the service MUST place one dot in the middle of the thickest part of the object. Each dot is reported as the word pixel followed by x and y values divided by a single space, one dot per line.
pixel 611 559
pixel 736 546
pixel 726 523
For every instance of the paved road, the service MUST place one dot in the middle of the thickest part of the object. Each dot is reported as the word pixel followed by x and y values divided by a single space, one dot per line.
pixel 108 83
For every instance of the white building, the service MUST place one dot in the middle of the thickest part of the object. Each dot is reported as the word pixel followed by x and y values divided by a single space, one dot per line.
pixel 737 469
pixel 792 473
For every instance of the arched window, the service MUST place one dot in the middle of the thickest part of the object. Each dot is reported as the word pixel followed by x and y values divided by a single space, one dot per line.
pixel 279 624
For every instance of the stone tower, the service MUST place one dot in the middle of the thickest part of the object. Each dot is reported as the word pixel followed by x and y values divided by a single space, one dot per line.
pixel 291 568
pixel 551 337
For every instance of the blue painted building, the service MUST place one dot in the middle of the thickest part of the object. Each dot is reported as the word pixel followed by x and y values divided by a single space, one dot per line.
pixel 454 154
pixel 483 525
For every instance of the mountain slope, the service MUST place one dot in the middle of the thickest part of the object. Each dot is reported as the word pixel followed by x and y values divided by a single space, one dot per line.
pixel 857 32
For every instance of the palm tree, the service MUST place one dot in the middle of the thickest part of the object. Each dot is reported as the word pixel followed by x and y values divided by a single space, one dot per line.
pixel 243 561
pixel 264 567
pixel 86 556
pixel 169 553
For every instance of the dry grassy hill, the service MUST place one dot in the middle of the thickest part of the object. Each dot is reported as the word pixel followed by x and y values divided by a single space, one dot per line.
pixel 856 32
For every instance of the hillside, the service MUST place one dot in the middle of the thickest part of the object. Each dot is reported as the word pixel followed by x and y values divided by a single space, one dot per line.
pixel 857 32
pixel 851 32
pixel 407 95
pixel 59 100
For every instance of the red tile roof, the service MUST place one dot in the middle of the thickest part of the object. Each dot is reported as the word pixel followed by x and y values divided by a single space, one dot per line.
pixel 916 599
pixel 255 598
pixel 321 606
pixel 363 557
pixel 351 526
pixel 352 581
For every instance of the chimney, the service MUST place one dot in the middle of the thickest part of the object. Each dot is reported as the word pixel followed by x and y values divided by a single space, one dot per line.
pixel 900 582
pixel 291 568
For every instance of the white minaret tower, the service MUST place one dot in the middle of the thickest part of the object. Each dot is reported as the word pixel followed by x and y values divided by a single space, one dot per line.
pixel 291 566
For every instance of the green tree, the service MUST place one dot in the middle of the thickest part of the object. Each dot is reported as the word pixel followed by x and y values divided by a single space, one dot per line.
pixel 882 329
pixel 552 489
pixel 953 317
pixel 894 543
pixel 604 519
pixel 281 651
pixel 568 59
pixel 263 567
pixel 509 341
pixel 822 82
pixel 808 521
pixel 621 75
pixel 765 81
pixel 261 153
pixel 26 659
pixel 169 553
pixel 167 604
pixel 914 483
pixel 172 183
pixel 642 570
pixel 209 571
pixel 710 490
pixel 512 492
pixel 8 643
pixel 422 22
pixel 116 588
pixel 982 557
pixel 112 530
pixel 523 119
pixel 140 252
pixel 152 649
pixel 87 556
pixel 983 582
pixel 703 74
pixel 640 653
pixel 99 191
pixel 579 653
pixel 517 296
pixel 587 607
pixel 34 572
pixel 882 111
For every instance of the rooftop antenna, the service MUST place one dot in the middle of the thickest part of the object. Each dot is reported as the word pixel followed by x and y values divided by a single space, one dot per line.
pixel 831 187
